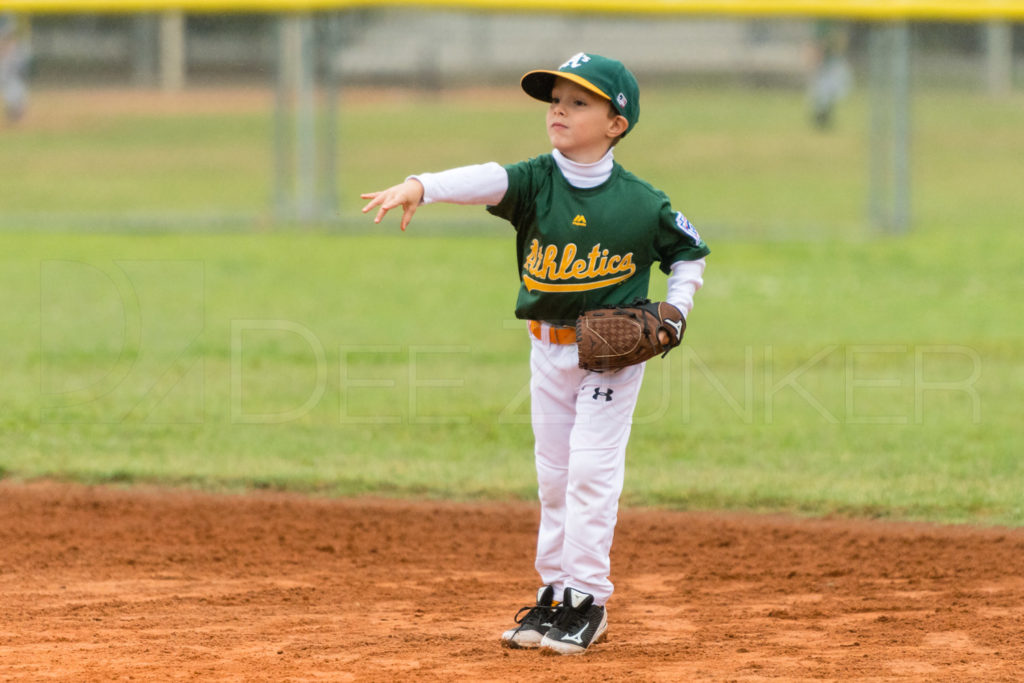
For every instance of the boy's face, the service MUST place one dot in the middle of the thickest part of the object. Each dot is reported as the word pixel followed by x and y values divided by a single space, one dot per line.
pixel 581 124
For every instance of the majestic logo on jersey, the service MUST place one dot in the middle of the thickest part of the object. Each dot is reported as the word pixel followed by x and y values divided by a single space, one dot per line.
pixel 545 268
pixel 580 221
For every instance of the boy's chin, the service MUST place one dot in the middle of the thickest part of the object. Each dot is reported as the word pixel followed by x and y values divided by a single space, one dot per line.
pixel 582 156
pixel 567 150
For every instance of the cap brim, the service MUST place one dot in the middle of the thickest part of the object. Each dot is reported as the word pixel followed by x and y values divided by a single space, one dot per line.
pixel 538 84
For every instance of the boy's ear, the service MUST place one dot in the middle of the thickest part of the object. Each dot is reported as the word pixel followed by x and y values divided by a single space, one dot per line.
pixel 617 126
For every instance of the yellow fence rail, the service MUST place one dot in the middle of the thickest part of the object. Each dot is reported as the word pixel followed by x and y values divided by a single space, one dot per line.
pixel 871 10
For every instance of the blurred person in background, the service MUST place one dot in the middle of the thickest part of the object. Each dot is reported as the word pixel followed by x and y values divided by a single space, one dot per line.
pixel 14 57
pixel 832 77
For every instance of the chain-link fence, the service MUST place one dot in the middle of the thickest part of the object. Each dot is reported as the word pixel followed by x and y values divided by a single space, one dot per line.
pixel 790 126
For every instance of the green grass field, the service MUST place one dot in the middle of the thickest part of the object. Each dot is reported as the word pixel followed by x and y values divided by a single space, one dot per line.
pixel 828 370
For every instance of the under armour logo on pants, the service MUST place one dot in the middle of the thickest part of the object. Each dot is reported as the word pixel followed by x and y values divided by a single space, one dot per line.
pixel 607 394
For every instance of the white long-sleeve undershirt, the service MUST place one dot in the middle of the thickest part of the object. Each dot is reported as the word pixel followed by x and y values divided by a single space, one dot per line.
pixel 487 184
pixel 686 278
pixel 477 184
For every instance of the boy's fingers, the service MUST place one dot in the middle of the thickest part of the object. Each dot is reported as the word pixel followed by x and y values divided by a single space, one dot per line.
pixel 407 215
pixel 374 198
pixel 380 199
pixel 388 200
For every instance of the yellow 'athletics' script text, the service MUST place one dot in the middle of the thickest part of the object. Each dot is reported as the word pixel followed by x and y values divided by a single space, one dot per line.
pixel 545 268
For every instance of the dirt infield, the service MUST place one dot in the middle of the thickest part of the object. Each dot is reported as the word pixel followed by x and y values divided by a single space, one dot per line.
pixel 104 584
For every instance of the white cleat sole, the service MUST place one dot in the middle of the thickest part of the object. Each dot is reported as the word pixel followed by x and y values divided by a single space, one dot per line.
pixel 514 642
pixel 555 647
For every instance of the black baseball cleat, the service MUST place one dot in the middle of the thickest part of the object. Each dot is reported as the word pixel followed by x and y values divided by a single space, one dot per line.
pixel 578 625
pixel 535 623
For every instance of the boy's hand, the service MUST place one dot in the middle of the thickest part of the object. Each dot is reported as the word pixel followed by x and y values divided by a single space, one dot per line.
pixel 408 195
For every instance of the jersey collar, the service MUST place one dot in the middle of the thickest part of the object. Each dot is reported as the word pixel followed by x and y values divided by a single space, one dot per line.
pixel 585 176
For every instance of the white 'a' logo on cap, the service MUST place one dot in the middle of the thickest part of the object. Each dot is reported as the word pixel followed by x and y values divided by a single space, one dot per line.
pixel 576 61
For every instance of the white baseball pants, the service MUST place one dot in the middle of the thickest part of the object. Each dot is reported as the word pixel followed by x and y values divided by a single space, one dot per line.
pixel 581 425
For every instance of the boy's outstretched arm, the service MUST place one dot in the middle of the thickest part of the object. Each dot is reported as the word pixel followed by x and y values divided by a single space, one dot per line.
pixel 408 195
pixel 477 184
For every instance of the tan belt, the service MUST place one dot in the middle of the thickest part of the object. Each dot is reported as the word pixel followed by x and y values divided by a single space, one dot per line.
pixel 555 335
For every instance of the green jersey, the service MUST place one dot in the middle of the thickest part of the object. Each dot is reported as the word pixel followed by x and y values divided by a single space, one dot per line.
pixel 580 249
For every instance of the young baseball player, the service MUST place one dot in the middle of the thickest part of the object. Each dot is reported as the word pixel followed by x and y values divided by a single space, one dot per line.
pixel 587 234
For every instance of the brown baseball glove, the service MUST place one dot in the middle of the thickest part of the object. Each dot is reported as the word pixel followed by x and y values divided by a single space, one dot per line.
pixel 620 336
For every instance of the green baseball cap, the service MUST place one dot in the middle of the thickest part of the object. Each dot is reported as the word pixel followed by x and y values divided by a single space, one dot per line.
pixel 606 77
